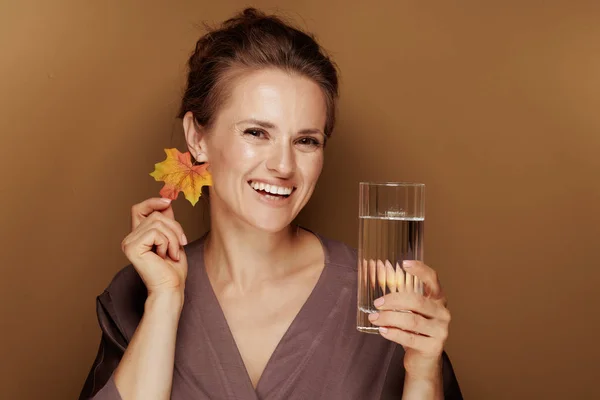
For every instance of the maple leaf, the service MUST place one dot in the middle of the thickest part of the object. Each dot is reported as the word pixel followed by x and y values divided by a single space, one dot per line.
pixel 180 175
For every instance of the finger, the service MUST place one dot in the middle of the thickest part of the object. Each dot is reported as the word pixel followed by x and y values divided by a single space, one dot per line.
pixel 162 244
pixel 414 302
pixel 363 287
pixel 168 212
pixel 423 344
pixel 416 284
pixel 408 282
pixel 138 244
pixel 427 275
pixel 381 275
pixel 372 274
pixel 410 322
pixel 390 276
pixel 173 241
pixel 171 223
pixel 164 226
pixel 399 278
pixel 147 207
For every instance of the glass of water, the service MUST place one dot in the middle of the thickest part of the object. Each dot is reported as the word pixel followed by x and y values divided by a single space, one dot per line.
pixel 391 221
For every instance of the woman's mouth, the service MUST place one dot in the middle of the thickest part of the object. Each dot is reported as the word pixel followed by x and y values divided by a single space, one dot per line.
pixel 272 191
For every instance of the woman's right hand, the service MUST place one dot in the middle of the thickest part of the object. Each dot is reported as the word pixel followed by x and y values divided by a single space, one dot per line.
pixel 154 247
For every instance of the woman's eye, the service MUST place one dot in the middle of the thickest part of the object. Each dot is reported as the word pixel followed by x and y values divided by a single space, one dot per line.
pixel 258 133
pixel 309 141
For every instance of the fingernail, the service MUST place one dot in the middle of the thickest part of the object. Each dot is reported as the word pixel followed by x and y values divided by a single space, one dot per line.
pixel 183 239
pixel 164 199
pixel 373 317
pixel 378 302
pixel 407 264
pixel 383 329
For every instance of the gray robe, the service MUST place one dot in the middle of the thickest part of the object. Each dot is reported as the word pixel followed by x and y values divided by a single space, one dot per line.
pixel 321 356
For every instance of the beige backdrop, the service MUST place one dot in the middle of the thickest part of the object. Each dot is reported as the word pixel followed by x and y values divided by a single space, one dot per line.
pixel 494 105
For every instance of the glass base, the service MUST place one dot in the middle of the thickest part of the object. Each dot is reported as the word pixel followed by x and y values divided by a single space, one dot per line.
pixel 363 323
pixel 368 329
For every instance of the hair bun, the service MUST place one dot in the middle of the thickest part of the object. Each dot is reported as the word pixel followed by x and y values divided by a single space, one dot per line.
pixel 246 17
pixel 252 13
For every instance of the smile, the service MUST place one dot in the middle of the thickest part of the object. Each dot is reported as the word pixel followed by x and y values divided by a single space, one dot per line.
pixel 274 191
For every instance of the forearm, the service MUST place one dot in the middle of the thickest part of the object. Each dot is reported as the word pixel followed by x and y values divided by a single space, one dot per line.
pixel 424 385
pixel 146 368
pixel 419 389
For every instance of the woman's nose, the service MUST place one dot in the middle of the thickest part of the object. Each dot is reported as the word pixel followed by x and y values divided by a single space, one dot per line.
pixel 281 160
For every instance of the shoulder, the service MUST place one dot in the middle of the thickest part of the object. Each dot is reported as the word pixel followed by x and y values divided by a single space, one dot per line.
pixel 339 254
pixel 126 282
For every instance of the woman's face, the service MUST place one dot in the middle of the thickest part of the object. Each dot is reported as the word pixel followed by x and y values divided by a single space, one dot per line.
pixel 265 148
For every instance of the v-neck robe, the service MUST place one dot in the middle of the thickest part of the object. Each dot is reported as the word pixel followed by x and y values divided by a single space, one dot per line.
pixel 320 356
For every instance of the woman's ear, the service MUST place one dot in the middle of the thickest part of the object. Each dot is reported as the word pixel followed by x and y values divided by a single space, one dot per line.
pixel 195 137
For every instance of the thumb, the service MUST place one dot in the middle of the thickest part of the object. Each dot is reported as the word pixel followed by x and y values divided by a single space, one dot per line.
pixel 427 275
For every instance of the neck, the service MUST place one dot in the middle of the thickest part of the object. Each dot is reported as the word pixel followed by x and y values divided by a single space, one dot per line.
pixel 242 256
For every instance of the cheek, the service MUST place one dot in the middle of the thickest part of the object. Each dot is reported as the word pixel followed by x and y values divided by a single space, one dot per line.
pixel 247 151
pixel 236 158
pixel 312 168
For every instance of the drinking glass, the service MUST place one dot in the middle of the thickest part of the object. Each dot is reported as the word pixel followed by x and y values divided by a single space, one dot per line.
pixel 391 222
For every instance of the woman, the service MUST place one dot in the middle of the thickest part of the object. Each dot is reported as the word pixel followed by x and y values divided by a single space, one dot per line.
pixel 258 308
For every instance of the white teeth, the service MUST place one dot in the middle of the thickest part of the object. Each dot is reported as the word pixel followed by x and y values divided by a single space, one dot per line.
pixel 273 189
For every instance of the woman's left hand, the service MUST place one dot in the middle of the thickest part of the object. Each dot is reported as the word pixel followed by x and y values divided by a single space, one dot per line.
pixel 423 332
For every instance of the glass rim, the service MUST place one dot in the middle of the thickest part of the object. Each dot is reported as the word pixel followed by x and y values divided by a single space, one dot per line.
pixel 392 184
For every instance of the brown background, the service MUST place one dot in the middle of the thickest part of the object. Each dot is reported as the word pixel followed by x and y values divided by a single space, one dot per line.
pixel 494 105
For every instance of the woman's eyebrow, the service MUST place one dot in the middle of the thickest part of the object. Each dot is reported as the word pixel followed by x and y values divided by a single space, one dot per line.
pixel 311 131
pixel 262 124
pixel 269 125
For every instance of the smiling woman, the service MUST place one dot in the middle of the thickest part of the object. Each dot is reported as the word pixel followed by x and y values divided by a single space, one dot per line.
pixel 258 308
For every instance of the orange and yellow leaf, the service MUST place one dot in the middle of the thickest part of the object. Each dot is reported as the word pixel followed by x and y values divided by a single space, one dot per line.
pixel 180 175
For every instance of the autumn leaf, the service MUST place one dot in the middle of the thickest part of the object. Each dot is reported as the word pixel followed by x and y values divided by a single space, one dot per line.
pixel 180 175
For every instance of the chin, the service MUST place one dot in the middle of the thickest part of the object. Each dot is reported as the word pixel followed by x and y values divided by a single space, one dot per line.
pixel 270 223
pixel 267 212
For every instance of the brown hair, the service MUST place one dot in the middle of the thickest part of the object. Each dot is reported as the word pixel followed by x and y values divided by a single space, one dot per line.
pixel 253 40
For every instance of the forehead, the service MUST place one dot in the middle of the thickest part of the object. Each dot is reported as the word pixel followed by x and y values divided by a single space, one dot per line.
pixel 276 96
